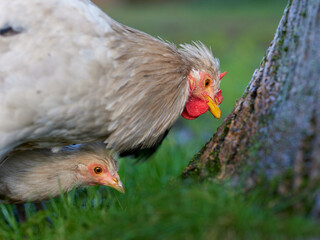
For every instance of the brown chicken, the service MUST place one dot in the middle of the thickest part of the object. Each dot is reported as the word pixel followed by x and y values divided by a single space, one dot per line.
pixel 36 175
pixel 71 74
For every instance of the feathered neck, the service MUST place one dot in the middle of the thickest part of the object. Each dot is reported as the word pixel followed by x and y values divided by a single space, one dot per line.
pixel 150 85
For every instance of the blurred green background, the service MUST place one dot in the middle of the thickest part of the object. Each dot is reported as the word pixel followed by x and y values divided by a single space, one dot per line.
pixel 157 205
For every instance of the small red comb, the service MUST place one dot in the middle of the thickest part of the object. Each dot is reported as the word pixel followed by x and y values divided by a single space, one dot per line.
pixel 222 75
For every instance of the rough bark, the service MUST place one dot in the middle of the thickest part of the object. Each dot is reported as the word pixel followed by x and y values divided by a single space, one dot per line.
pixel 273 133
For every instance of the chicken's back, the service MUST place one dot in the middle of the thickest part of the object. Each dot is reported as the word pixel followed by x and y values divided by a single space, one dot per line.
pixel 52 58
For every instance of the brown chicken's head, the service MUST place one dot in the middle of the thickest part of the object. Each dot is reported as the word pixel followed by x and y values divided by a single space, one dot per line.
pixel 204 95
pixel 100 172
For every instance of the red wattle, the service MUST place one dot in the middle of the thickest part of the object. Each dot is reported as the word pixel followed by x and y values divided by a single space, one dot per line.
pixel 185 115
pixel 194 108
pixel 219 97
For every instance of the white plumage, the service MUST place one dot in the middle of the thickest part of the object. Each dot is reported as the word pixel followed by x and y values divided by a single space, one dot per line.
pixel 70 74
pixel 48 71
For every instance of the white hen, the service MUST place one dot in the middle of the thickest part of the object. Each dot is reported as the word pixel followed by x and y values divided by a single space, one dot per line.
pixel 70 74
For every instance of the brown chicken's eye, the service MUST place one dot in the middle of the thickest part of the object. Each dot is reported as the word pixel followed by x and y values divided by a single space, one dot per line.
pixel 207 82
pixel 97 170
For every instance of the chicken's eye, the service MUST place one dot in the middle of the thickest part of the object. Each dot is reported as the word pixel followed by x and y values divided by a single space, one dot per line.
pixel 207 82
pixel 97 170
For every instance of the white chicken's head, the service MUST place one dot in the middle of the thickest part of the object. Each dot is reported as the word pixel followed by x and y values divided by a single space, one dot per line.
pixel 203 81
pixel 204 95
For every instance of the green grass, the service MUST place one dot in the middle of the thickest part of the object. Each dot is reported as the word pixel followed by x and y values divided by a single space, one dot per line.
pixel 156 204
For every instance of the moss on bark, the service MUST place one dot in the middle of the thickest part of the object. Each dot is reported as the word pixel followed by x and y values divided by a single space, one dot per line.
pixel 272 137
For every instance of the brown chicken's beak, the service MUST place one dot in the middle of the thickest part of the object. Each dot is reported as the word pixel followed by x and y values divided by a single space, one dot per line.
pixel 213 108
pixel 117 185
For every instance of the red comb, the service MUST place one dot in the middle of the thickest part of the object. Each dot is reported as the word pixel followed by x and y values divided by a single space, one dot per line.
pixel 222 75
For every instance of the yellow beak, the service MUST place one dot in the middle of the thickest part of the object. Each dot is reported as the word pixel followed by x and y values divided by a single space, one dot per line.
pixel 213 108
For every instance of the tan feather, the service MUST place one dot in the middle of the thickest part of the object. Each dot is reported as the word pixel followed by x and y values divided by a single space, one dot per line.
pixel 36 175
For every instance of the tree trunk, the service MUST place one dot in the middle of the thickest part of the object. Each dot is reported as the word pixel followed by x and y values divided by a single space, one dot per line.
pixel 273 133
